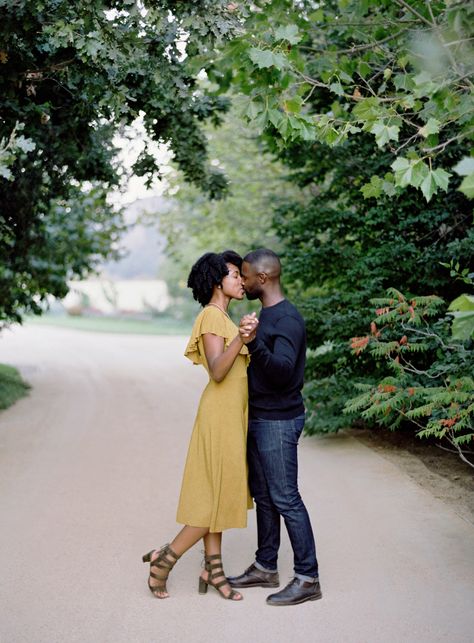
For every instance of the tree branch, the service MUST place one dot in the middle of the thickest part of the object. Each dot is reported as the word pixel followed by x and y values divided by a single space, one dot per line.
pixel 420 16
pixel 459 450
pixel 370 45
pixel 440 446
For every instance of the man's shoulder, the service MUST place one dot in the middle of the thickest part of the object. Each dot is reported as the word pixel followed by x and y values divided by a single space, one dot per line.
pixel 289 313
pixel 290 309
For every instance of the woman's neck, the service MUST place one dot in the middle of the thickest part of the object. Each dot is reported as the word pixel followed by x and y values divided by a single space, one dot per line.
pixel 221 302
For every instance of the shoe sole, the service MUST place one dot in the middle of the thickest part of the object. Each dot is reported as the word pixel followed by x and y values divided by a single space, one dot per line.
pixel 303 600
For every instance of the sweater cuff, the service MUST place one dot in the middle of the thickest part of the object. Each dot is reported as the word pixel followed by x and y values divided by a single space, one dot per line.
pixel 253 345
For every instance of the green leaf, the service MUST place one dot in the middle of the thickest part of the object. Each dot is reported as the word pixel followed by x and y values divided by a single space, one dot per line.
pixel 262 119
pixel 441 178
pixel 368 109
pixel 403 81
pixel 288 33
pixel 293 104
pixel 337 88
pixel 463 325
pixel 428 186
pixel 364 69
pixel 419 174
pixel 253 109
pixel 307 131
pixel 465 166
pixel 384 133
pixel 372 189
pixel 280 61
pixel 275 116
pixel 431 127
pixel 388 185
pixel 403 169
pixel 263 58
pixel 283 126
pixel 463 302
pixel 467 186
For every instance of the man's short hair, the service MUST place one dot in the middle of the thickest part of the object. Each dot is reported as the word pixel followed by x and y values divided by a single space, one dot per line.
pixel 264 260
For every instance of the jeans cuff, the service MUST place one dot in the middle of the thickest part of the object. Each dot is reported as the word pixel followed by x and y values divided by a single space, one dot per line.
pixel 264 569
pixel 308 579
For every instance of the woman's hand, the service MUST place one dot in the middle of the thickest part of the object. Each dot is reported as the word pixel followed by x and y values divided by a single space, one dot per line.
pixel 248 328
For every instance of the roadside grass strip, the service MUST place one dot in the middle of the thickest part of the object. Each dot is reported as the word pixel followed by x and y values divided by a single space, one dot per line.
pixel 12 386
pixel 161 326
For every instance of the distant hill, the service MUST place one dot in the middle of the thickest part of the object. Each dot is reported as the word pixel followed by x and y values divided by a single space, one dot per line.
pixel 143 244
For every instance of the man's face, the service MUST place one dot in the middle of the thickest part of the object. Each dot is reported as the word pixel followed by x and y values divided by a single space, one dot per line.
pixel 250 281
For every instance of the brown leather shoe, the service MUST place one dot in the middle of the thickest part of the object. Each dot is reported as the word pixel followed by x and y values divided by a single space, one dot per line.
pixel 254 577
pixel 297 591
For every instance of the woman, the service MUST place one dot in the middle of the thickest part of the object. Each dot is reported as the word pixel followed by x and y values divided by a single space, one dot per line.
pixel 214 493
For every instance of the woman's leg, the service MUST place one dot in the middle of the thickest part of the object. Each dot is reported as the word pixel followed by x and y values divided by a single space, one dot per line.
pixel 187 537
pixel 213 547
pixel 184 540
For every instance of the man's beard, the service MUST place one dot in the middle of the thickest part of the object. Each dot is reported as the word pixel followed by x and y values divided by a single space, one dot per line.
pixel 252 295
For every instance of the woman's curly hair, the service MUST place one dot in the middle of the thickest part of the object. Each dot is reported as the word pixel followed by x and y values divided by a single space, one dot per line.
pixel 209 271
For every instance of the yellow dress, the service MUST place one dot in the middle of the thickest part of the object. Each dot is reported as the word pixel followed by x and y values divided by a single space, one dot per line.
pixel 214 491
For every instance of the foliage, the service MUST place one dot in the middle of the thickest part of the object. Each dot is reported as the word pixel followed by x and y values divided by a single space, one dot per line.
pixel 428 379
pixel 340 108
pixel 462 308
pixel 12 386
pixel 243 221
pixel 74 74
pixel 340 251
pixel 400 72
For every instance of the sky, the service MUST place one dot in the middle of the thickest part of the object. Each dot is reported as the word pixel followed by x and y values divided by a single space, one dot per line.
pixel 131 144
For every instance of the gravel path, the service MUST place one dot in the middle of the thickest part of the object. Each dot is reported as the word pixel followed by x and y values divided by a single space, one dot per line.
pixel 90 470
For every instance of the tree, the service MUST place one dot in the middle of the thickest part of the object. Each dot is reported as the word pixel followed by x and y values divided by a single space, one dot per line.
pixel 73 74
pixel 342 92
pixel 401 71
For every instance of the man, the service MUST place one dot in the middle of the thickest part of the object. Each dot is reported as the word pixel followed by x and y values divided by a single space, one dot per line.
pixel 276 420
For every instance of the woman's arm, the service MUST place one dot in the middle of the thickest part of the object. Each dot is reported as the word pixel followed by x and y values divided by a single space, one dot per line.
pixel 219 358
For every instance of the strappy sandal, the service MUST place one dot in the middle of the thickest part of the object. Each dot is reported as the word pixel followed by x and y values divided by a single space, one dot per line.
pixel 215 571
pixel 165 561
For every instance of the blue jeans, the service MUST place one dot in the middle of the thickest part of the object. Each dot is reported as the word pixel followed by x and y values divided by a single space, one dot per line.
pixel 273 480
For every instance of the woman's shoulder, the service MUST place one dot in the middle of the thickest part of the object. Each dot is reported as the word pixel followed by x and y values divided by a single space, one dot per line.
pixel 211 320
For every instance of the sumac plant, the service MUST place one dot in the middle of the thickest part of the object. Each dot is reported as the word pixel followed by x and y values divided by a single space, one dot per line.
pixel 428 380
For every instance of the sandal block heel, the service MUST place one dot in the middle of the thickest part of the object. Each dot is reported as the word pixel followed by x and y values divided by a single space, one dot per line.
pixel 213 565
pixel 146 558
pixel 202 586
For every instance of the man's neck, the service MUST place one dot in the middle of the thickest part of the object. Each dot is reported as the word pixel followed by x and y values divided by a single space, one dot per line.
pixel 271 297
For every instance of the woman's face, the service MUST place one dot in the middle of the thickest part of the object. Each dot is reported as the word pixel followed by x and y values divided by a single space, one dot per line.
pixel 232 283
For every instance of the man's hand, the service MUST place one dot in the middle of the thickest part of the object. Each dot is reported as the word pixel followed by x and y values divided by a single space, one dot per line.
pixel 248 327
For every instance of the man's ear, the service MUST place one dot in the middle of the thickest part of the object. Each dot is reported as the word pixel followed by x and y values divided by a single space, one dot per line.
pixel 262 277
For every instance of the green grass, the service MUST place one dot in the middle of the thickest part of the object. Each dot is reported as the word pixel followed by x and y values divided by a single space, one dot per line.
pixel 12 387
pixel 159 326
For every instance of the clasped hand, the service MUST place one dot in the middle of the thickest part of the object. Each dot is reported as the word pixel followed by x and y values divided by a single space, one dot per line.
pixel 248 327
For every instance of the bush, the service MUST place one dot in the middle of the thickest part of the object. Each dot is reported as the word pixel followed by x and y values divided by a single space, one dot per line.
pixel 12 386
pixel 428 379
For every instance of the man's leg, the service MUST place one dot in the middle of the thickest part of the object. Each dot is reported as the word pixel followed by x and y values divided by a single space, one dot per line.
pixel 262 573
pixel 268 517
pixel 276 443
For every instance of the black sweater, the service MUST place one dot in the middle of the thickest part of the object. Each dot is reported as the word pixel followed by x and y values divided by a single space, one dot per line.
pixel 277 363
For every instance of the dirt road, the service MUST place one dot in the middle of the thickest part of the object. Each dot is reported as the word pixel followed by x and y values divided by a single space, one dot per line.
pixel 90 469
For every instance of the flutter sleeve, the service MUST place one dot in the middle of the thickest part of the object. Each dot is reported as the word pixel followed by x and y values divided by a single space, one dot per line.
pixel 210 320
